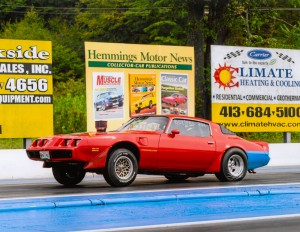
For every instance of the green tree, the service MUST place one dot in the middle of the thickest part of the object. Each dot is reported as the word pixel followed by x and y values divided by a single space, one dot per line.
pixel 68 69
pixel 10 10
pixel 32 27
pixel 69 107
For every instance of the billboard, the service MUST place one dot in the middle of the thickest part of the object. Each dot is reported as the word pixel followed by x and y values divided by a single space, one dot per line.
pixel 141 75
pixel 26 89
pixel 256 89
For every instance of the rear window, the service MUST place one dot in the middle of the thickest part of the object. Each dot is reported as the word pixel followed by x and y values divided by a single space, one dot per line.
pixel 225 130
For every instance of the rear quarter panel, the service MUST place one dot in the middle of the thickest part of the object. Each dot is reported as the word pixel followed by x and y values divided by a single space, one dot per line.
pixel 256 154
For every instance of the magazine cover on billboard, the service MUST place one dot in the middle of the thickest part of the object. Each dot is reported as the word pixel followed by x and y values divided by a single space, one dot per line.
pixel 142 94
pixel 108 93
pixel 174 89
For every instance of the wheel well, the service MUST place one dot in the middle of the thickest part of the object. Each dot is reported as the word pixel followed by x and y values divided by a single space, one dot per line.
pixel 130 146
pixel 234 148
pixel 217 164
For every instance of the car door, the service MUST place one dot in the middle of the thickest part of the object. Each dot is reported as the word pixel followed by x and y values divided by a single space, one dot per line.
pixel 193 149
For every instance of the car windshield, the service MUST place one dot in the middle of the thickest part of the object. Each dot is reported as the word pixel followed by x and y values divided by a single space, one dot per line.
pixel 146 123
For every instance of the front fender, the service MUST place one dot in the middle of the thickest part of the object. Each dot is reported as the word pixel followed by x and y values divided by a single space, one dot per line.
pixel 99 161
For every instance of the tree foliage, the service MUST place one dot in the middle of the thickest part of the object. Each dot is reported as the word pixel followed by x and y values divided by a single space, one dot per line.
pixel 198 23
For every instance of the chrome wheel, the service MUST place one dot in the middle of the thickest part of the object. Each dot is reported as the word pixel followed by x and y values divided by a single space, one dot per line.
pixel 236 165
pixel 233 166
pixel 102 107
pixel 123 167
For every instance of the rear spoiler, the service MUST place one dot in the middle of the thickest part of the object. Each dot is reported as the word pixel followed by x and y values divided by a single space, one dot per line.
pixel 263 144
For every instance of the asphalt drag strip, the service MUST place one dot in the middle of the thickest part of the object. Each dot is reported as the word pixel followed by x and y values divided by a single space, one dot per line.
pixel 126 211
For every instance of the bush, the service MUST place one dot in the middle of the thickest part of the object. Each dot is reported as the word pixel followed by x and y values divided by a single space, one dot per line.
pixel 69 107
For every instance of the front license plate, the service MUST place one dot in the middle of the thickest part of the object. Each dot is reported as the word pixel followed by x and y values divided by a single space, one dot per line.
pixel 44 155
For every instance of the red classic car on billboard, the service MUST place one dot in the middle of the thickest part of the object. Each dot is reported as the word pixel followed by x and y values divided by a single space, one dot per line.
pixel 175 99
pixel 177 147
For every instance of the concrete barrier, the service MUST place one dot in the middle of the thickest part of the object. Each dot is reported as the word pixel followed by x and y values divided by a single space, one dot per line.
pixel 14 164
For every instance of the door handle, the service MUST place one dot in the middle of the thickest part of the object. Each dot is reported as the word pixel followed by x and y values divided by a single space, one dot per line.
pixel 211 142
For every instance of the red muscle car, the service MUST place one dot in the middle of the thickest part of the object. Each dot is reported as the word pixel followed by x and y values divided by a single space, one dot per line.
pixel 177 147
pixel 175 99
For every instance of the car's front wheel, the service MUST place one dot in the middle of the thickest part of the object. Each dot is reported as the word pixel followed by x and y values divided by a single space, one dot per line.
pixel 68 175
pixel 234 166
pixel 102 107
pixel 121 168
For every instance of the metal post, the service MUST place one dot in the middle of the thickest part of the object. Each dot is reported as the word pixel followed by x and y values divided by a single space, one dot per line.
pixel 26 142
pixel 287 137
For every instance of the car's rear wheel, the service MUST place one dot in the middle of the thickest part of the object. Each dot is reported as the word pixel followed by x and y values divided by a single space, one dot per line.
pixel 121 168
pixel 68 175
pixel 234 166
pixel 176 177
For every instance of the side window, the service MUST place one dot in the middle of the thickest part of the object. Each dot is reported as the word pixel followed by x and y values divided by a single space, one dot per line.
pixel 190 127
pixel 204 129
pixel 177 124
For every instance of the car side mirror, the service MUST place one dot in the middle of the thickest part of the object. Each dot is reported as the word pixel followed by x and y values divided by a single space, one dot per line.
pixel 174 132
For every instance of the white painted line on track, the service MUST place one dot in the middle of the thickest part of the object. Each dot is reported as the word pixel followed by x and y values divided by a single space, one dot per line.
pixel 194 223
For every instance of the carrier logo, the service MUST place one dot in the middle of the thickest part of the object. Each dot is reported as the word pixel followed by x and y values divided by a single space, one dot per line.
pixel 224 76
pixel 259 54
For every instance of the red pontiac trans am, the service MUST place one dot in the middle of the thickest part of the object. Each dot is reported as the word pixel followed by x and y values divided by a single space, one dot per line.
pixel 177 147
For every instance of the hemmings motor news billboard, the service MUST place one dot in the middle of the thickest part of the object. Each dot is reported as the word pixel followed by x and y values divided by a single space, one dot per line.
pixel 26 105
pixel 256 89
pixel 126 80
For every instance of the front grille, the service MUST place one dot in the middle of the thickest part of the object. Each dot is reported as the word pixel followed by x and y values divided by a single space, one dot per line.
pixel 40 142
pixel 33 154
pixel 114 100
pixel 60 154
pixel 54 154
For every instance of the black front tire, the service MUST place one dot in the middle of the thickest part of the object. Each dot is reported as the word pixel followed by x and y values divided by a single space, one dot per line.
pixel 121 168
pixel 67 175
pixel 234 166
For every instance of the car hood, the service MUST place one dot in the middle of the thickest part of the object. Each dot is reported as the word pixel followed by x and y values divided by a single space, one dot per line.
pixel 83 135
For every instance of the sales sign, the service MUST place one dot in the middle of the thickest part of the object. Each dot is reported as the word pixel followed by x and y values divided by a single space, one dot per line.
pixel 26 105
pixel 256 89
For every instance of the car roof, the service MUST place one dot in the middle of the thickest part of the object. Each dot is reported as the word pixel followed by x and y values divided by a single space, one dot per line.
pixel 172 116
